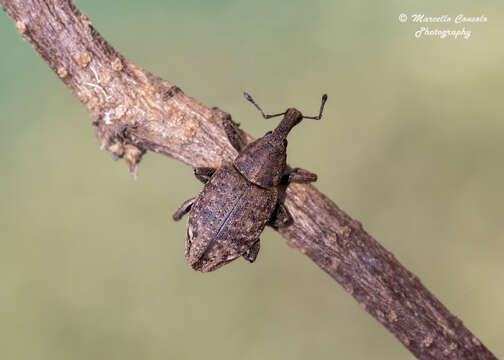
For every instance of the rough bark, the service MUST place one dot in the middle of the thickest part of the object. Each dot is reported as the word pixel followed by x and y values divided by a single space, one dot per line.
pixel 135 111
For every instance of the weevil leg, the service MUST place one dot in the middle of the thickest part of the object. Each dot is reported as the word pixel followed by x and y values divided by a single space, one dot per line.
pixel 233 131
pixel 183 209
pixel 251 254
pixel 280 217
pixel 299 175
pixel 203 174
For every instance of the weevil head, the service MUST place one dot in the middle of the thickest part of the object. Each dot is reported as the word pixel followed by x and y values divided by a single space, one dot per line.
pixel 263 161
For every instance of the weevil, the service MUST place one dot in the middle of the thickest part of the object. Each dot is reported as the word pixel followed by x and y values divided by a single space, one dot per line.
pixel 240 198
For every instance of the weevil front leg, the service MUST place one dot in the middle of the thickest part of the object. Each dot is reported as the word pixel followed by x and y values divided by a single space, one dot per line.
pixel 299 175
pixel 280 217
pixel 183 209
pixel 251 254
pixel 234 133
pixel 204 174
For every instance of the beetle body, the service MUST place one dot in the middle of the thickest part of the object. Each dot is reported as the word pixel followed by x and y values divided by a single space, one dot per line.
pixel 240 198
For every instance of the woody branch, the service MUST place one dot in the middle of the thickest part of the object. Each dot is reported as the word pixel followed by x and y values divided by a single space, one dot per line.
pixel 135 111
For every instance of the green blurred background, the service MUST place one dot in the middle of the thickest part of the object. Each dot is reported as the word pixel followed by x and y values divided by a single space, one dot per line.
pixel 91 264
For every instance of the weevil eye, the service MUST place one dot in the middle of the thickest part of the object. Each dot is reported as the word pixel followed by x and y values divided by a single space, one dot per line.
pixel 269 132
pixel 285 142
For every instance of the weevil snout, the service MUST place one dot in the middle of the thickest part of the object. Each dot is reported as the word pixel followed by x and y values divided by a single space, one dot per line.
pixel 291 118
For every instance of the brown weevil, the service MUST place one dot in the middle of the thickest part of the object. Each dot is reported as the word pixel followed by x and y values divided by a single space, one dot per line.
pixel 240 198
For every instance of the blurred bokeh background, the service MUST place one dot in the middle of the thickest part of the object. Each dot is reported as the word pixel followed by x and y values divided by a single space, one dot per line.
pixel 91 264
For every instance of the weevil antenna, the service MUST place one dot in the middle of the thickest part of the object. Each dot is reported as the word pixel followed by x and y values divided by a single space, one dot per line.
pixel 249 98
pixel 319 116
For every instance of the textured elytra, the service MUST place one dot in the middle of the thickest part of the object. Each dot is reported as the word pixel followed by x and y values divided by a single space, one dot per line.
pixel 226 219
